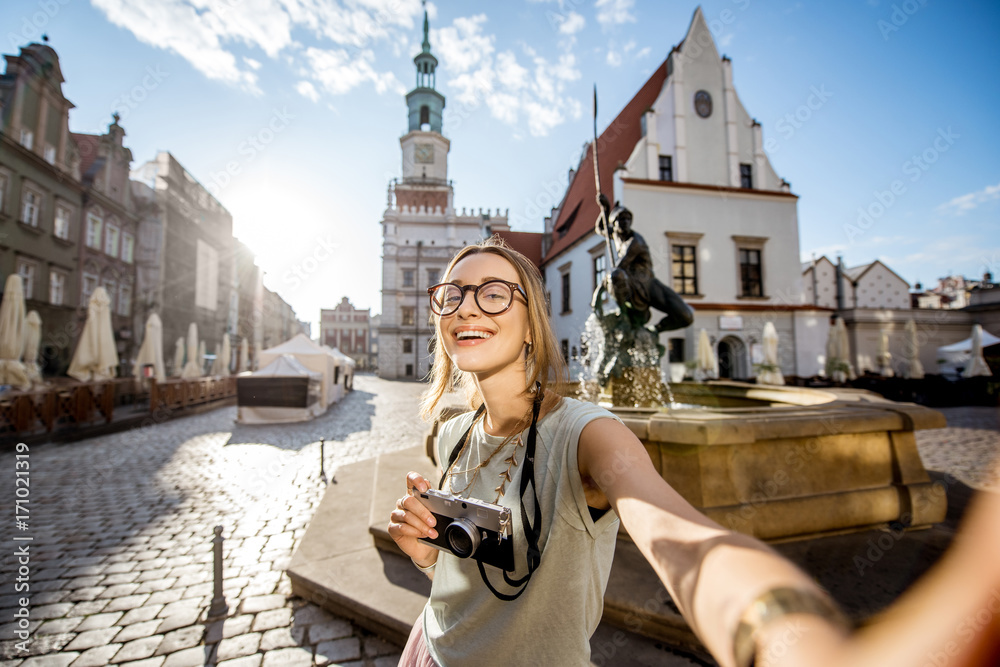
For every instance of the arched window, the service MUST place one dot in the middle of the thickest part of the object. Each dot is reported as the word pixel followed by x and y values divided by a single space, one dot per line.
pixel 425 115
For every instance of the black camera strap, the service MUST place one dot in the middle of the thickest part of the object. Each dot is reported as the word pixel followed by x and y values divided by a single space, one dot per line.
pixel 532 531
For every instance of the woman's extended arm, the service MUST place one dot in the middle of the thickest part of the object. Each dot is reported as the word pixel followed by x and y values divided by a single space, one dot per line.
pixel 713 574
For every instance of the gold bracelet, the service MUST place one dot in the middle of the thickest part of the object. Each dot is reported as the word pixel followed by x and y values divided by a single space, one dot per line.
pixel 772 605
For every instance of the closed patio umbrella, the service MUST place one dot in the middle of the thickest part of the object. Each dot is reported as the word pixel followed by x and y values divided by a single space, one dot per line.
pixel 770 372
pixel 221 364
pixel 241 364
pixel 192 369
pixel 201 356
pixel 12 371
pixel 32 340
pixel 884 356
pixel 178 357
pixel 977 364
pixel 96 357
pixel 838 353
pixel 914 369
pixel 707 363
pixel 151 350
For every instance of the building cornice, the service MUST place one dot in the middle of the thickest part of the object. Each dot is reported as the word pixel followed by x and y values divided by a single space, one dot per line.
pixel 776 307
pixel 63 177
pixel 701 187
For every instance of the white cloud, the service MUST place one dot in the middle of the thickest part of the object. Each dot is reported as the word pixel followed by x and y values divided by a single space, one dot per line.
pixel 306 89
pixel 614 12
pixel 338 71
pixel 175 26
pixel 967 202
pixel 203 32
pixel 463 45
pixel 614 58
pixel 516 91
pixel 571 24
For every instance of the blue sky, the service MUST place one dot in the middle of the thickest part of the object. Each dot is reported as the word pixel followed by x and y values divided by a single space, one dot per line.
pixel 882 115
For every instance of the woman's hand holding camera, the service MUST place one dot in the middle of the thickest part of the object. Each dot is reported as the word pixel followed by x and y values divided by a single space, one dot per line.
pixel 411 521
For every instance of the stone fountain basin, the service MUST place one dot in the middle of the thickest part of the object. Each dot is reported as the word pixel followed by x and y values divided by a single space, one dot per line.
pixel 790 462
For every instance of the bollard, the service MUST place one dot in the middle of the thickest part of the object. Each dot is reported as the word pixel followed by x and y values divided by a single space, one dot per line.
pixel 219 607
pixel 322 470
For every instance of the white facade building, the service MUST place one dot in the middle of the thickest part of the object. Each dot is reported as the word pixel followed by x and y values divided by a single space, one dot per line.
pixel 688 161
pixel 421 230
pixel 872 285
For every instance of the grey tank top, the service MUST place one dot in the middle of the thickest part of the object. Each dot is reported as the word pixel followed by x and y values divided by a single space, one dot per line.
pixel 552 621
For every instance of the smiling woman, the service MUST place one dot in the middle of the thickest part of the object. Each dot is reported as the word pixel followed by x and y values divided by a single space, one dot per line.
pixel 541 473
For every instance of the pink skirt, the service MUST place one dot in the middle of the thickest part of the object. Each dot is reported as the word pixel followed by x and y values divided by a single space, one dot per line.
pixel 416 654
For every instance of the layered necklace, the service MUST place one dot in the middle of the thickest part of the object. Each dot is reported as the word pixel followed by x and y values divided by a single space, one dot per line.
pixel 472 474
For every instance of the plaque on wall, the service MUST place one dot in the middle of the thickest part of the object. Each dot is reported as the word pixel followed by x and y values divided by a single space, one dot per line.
pixel 730 323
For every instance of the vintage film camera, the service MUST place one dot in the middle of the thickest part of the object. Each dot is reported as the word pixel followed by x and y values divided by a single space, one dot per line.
pixel 471 528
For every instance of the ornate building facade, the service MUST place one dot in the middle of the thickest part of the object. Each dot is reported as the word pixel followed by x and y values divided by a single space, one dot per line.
pixel 421 230
pixel 349 330
pixel 41 197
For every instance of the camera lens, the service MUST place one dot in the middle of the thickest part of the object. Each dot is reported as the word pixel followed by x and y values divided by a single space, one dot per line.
pixel 463 537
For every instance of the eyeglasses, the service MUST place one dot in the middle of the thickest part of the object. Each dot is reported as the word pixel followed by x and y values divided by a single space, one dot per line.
pixel 493 297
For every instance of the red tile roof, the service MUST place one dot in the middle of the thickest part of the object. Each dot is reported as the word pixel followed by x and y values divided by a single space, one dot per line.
pixel 528 244
pixel 579 210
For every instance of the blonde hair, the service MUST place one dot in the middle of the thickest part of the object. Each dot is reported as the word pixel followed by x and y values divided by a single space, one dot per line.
pixel 544 361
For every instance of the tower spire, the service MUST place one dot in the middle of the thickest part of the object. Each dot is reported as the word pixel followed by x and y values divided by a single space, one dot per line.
pixel 427 28
pixel 424 103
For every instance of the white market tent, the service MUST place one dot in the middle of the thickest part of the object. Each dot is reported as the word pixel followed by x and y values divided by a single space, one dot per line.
pixel 952 358
pixel 346 366
pixel 283 391
pixel 310 355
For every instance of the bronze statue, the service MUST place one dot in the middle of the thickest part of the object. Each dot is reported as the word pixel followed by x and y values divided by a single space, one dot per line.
pixel 631 282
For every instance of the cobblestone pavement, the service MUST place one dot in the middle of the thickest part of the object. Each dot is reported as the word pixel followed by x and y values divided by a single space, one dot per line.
pixel 120 559
pixel 121 527
pixel 968 449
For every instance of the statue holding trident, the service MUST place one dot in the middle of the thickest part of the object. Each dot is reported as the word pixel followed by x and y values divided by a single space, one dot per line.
pixel 631 282
pixel 629 354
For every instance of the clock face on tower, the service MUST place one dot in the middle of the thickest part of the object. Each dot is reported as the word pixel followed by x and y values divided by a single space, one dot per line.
pixel 423 153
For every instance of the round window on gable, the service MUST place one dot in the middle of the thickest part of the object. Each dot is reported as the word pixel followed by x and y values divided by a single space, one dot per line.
pixel 703 103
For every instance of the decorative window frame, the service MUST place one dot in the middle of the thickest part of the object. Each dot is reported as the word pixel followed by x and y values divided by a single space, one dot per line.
pixel 686 239
pixel 53 273
pixel 31 282
pixel 29 187
pixel 99 241
pixel 741 242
